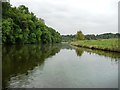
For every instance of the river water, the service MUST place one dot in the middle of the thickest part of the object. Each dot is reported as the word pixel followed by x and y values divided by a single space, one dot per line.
pixel 58 66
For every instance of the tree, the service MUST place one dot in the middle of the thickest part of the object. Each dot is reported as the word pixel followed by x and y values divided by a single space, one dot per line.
pixel 23 9
pixel 7 31
pixel 21 26
pixel 79 35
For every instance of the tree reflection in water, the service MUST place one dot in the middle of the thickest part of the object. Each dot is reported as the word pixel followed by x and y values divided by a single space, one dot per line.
pixel 19 59
pixel 79 51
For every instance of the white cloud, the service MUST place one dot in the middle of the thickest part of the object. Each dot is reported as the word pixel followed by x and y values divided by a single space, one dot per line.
pixel 69 16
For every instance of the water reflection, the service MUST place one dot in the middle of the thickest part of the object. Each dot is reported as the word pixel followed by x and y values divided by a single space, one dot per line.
pixel 19 59
pixel 113 55
pixel 21 63
pixel 79 51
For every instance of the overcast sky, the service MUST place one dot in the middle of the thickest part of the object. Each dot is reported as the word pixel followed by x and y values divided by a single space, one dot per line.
pixel 70 16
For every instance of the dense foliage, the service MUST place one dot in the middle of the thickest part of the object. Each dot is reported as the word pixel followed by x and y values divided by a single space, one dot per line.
pixel 102 36
pixel 80 35
pixel 21 26
pixel 68 38
pixel 91 36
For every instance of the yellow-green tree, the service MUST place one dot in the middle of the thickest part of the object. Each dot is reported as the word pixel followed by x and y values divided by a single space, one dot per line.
pixel 79 35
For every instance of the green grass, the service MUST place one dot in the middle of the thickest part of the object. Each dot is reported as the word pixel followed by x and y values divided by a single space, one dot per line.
pixel 102 44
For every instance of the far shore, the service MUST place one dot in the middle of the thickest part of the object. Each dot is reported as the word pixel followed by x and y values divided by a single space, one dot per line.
pixel 111 45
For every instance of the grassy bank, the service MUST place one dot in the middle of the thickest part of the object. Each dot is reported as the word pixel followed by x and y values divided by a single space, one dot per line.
pixel 103 44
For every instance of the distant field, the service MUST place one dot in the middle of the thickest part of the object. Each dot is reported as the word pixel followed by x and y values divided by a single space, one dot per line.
pixel 102 44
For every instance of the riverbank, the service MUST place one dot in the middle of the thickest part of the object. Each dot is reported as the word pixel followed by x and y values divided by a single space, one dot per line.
pixel 103 44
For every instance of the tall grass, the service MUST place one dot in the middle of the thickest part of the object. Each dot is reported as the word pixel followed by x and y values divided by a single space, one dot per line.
pixel 102 44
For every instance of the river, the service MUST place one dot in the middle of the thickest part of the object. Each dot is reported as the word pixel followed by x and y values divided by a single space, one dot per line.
pixel 58 66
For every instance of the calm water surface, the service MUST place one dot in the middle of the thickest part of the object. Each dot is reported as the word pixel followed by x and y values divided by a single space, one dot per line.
pixel 58 66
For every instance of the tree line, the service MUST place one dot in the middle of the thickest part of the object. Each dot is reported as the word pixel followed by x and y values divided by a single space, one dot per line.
pixel 80 36
pixel 102 36
pixel 19 25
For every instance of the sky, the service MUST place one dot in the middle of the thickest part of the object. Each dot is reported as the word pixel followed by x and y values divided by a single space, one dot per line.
pixel 70 16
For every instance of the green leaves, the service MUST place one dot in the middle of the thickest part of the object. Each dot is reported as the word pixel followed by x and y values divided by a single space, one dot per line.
pixel 79 35
pixel 7 30
pixel 23 9
pixel 21 26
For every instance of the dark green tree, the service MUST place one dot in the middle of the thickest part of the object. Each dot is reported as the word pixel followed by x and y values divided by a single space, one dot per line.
pixel 21 26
